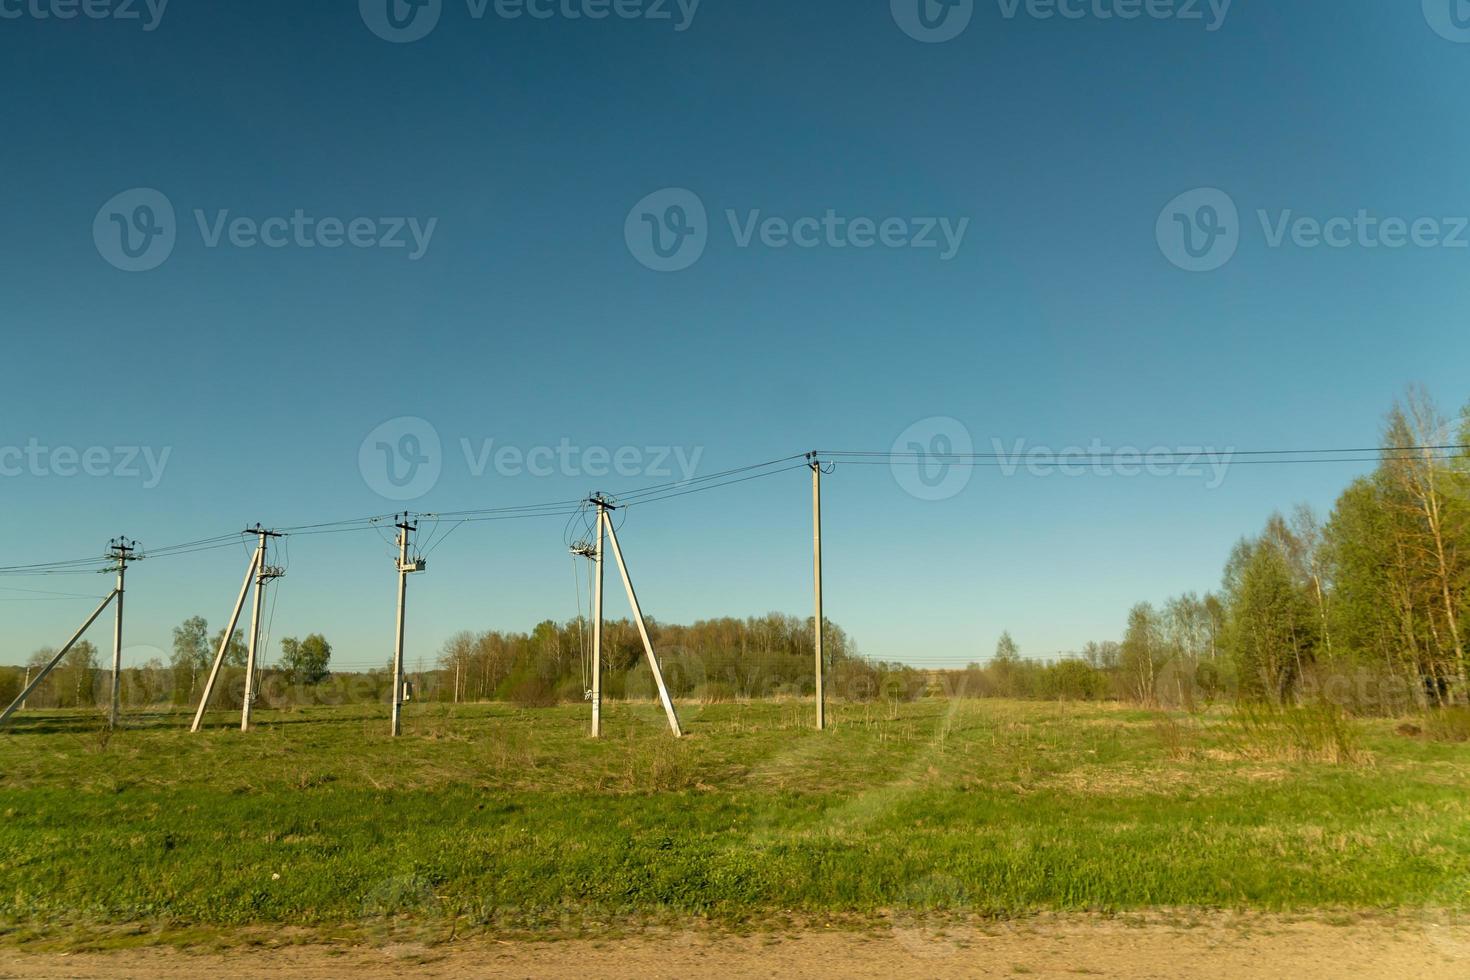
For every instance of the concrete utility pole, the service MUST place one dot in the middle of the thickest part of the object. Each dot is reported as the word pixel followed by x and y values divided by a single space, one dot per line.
pixel 406 527
pixel 263 574
pixel 224 644
pixel 597 573
pixel 818 623
pixel 592 551
pixel 658 675
pixel 122 551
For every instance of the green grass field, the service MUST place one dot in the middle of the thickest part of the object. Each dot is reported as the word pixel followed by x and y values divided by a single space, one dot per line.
pixel 488 817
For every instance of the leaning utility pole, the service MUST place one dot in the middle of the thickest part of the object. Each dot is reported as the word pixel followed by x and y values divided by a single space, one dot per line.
pixel 256 561
pixel 263 574
pixel 406 527
pixel 818 623
pixel 605 526
pixel 122 551
pixel 35 682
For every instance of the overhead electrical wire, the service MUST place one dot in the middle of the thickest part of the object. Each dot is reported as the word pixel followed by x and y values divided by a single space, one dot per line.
pixel 573 508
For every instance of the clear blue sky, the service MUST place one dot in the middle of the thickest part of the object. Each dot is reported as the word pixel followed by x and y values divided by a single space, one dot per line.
pixel 528 319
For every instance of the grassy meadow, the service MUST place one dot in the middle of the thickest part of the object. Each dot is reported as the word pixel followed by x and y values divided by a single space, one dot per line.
pixel 489 818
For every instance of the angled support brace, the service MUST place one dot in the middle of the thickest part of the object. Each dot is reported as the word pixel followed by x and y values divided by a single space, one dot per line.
pixel 658 675
pixel 36 682
pixel 224 645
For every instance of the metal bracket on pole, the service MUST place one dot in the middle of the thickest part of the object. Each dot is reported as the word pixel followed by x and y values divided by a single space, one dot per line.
pixel 36 681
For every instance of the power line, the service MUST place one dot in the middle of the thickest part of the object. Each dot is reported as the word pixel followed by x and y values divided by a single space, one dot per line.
pixel 1192 453
pixel 731 477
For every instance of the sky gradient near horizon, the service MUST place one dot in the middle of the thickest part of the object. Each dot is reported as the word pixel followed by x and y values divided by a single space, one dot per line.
pixel 1068 171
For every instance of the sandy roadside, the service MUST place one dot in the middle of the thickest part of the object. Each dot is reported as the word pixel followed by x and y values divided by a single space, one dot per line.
pixel 1234 948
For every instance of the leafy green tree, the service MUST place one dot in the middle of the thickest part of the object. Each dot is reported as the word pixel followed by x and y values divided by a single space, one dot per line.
pixel 237 652
pixel 1143 653
pixel 306 661
pixel 191 658
pixel 76 676
pixel 1273 628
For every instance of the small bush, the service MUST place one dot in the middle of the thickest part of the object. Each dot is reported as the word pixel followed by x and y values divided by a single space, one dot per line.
pixel 1447 724
pixel 532 692
pixel 714 692
pixel 1317 732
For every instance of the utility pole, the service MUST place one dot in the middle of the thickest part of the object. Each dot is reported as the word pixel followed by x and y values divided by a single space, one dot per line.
pixel 27 687
pixel 121 551
pixel 256 560
pixel 818 623
pixel 597 571
pixel 604 506
pixel 263 574
pixel 406 527
pixel 56 659
pixel 593 553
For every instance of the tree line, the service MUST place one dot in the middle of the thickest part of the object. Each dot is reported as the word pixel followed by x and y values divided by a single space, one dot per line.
pixel 1367 606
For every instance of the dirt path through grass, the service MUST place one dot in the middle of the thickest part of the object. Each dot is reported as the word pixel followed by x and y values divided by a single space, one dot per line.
pixel 1229 949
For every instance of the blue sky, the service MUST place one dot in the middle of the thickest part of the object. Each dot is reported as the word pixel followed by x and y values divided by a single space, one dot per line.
pixel 528 318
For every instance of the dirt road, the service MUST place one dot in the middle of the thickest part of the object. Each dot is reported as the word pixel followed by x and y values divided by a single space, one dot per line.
pixel 1223 947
